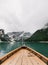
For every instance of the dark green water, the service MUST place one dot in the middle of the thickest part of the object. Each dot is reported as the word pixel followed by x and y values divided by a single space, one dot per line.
pixel 7 47
pixel 40 47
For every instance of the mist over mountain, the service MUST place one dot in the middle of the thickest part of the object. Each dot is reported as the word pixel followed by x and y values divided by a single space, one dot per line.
pixel 17 36
pixel 40 35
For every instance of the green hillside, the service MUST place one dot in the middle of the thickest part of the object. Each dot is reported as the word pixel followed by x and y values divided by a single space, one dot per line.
pixel 39 35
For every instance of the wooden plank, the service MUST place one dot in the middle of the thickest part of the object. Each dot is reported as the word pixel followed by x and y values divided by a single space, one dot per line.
pixel 23 57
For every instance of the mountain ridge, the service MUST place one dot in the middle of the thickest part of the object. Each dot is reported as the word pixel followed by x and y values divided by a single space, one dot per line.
pixel 39 35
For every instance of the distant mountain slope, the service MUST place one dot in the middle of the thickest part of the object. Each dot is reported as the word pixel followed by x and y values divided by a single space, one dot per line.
pixel 39 35
pixel 17 36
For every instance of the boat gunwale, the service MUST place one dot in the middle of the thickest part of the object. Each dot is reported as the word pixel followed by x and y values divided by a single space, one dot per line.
pixel 42 57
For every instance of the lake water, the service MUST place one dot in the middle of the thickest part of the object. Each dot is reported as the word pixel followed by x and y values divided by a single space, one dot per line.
pixel 6 47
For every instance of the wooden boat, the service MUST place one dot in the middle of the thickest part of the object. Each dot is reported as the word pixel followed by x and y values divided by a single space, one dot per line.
pixel 23 56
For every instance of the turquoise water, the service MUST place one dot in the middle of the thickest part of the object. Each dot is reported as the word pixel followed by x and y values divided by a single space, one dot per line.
pixel 40 47
pixel 6 47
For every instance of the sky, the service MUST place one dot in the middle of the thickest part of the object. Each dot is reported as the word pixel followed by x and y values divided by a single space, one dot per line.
pixel 23 15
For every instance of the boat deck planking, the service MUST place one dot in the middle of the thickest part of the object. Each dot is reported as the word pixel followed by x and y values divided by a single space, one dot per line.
pixel 23 57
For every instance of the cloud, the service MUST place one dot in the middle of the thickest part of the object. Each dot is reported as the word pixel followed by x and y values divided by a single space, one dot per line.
pixel 19 15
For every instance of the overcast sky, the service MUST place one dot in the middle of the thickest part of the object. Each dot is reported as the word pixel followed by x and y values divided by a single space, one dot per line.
pixel 23 15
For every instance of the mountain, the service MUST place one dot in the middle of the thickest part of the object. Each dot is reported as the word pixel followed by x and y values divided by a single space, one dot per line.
pixel 25 35
pixel 39 35
pixel 14 33
pixel 17 36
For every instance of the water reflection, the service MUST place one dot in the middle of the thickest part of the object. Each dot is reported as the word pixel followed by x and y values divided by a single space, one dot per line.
pixel 6 47
pixel 2 52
